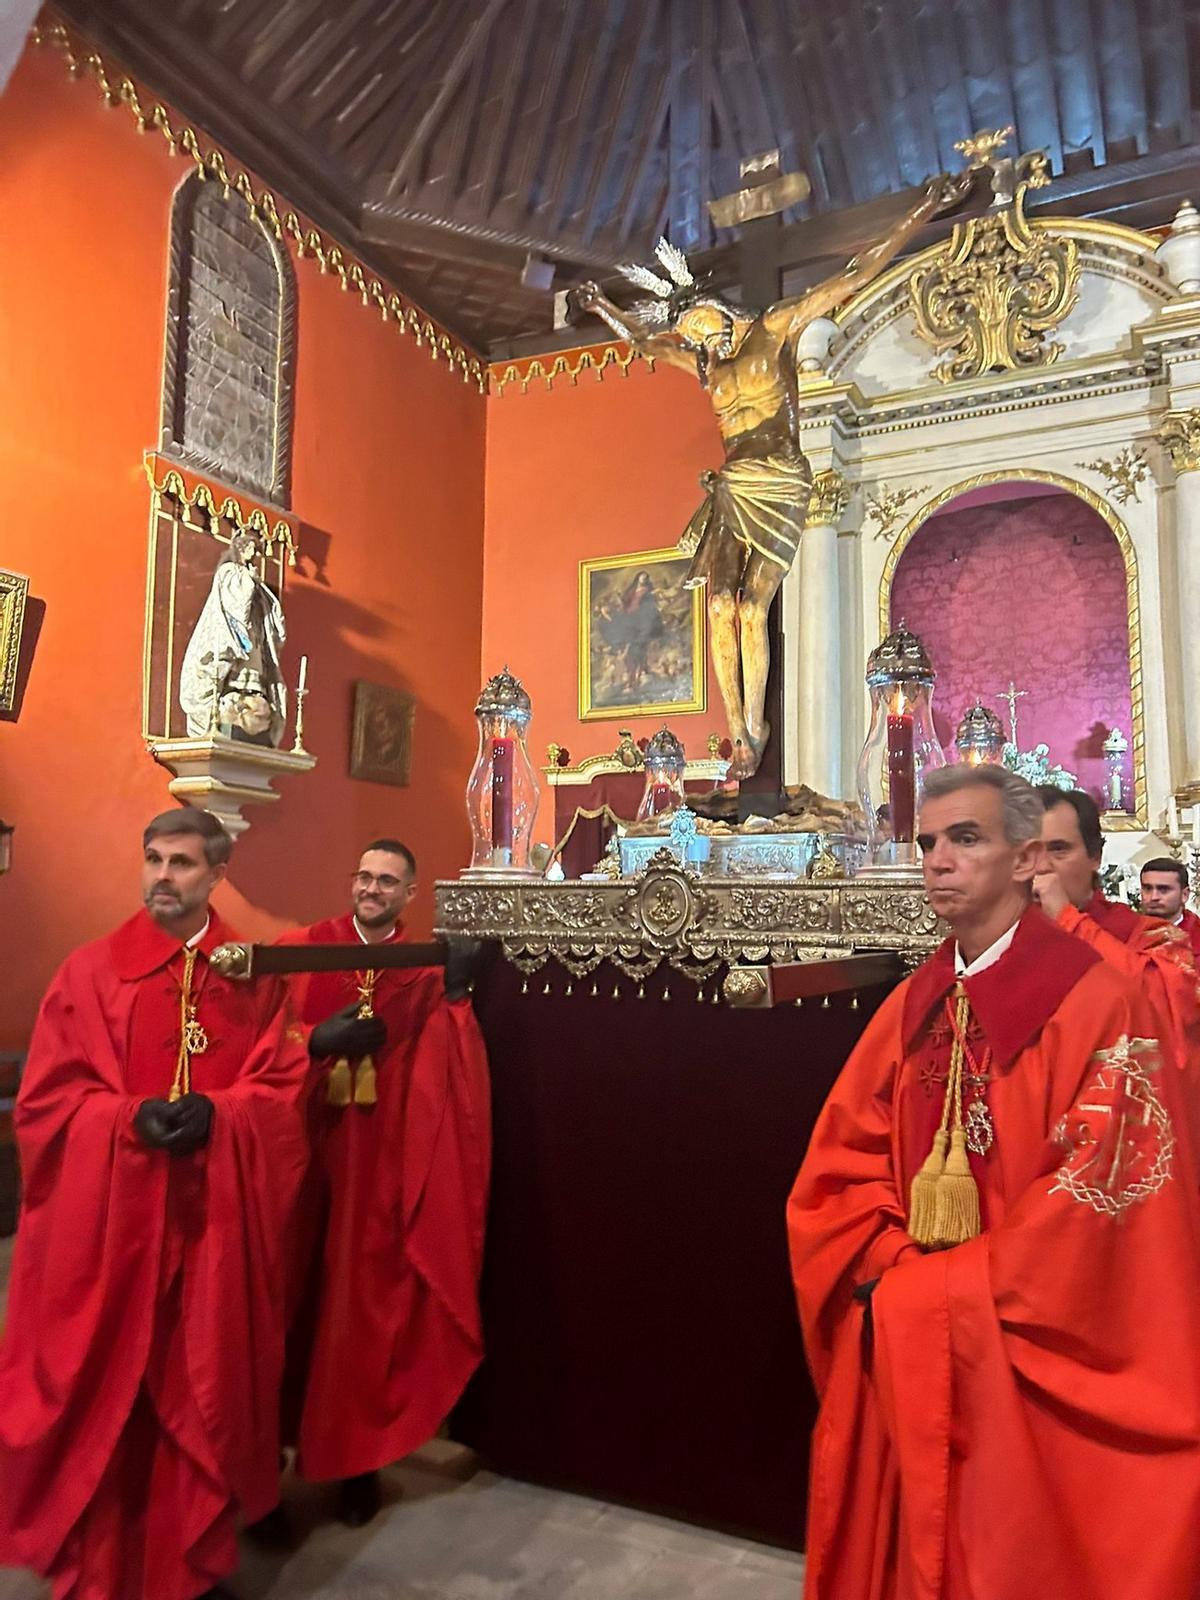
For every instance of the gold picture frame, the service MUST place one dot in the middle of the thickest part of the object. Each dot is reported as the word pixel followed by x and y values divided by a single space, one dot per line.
pixel 381 734
pixel 14 590
pixel 641 637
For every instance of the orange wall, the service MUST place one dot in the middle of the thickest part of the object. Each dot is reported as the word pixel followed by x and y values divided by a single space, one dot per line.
pixel 597 469
pixel 388 467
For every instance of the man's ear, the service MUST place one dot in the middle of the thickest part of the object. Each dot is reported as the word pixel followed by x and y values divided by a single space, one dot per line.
pixel 1031 859
pixel 218 872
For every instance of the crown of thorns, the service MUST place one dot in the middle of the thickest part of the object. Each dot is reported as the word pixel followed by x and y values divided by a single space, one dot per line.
pixel 673 294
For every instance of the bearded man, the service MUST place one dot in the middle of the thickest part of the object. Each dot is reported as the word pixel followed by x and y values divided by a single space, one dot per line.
pixel 1164 889
pixel 161 1139
pixel 388 1328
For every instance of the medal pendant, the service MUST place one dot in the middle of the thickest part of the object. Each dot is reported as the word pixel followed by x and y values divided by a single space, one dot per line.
pixel 195 1040
pixel 981 1133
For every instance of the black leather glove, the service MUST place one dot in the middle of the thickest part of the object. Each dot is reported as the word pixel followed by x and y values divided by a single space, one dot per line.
pixel 153 1121
pixel 192 1117
pixel 463 963
pixel 345 1033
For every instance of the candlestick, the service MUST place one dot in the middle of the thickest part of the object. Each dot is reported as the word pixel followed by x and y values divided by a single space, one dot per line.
pixel 902 797
pixel 502 801
pixel 298 747
pixel 303 675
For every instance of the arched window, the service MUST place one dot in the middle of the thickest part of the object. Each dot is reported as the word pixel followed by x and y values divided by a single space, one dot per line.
pixel 227 383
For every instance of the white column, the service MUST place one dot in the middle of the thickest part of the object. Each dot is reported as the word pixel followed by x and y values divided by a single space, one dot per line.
pixel 818 678
pixel 1180 432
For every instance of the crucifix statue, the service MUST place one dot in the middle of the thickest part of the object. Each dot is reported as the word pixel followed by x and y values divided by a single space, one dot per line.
pixel 1012 694
pixel 744 536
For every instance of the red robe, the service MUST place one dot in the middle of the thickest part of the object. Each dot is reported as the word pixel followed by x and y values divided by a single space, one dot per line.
pixel 139 1376
pixel 388 1330
pixel 1190 924
pixel 1023 1416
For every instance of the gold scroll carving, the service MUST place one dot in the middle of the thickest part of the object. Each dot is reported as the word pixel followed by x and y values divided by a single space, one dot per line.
pixel 989 300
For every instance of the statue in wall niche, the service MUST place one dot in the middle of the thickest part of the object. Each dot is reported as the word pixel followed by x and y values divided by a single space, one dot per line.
pixel 231 682
pixel 745 535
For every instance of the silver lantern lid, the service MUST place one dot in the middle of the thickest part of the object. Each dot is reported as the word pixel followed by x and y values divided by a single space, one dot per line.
pixel 901 658
pixel 980 729
pixel 505 696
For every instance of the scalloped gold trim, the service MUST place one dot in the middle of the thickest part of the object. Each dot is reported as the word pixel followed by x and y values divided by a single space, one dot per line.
pixel 595 358
pixel 221 503
pixel 1140 818
pixel 118 89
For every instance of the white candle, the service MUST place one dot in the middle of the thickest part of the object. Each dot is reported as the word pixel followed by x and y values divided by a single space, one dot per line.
pixel 304 680
pixel 1196 826
pixel 1172 818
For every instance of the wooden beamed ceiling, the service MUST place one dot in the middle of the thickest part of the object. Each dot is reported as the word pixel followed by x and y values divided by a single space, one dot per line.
pixel 447 141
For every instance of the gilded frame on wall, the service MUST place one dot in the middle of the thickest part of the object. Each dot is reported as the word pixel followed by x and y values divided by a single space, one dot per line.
pixel 1138 818
pixel 14 590
pixel 641 637
pixel 381 734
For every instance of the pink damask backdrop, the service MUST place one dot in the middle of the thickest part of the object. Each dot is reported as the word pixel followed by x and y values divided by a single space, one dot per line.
pixel 1030 589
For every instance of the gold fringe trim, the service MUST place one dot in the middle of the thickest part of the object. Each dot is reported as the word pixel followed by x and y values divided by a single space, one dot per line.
pixel 567 364
pixel 223 504
pixel 212 162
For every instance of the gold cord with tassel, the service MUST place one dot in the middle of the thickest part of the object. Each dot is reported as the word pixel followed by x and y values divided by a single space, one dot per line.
pixel 193 1040
pixel 944 1198
pixel 356 1086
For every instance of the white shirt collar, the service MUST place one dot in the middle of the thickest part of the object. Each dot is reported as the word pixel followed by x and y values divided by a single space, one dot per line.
pixel 989 957
pixel 1178 923
pixel 363 938
pixel 194 942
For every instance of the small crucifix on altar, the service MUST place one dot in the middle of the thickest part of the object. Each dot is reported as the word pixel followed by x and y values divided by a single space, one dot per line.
pixel 1011 695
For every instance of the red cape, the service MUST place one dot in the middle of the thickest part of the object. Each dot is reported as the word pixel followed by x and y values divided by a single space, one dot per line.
pixel 388 1331
pixel 107 1225
pixel 1018 1423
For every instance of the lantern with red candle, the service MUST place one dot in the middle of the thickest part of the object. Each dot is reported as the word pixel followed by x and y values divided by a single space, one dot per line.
pixel 980 737
pixel 664 760
pixel 900 748
pixel 502 792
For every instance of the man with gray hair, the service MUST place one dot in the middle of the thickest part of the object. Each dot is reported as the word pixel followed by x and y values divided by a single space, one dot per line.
pixel 161 1141
pixel 999 1184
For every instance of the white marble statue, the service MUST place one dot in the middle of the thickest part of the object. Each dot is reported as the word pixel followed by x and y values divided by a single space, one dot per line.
pixel 231 680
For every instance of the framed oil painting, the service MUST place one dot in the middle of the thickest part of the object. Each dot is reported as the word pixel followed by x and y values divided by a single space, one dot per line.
pixel 381 737
pixel 641 637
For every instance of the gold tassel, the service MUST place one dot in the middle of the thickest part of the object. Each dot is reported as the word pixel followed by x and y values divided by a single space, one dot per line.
pixel 364 1083
pixel 923 1193
pixel 944 1198
pixel 956 1215
pixel 338 1092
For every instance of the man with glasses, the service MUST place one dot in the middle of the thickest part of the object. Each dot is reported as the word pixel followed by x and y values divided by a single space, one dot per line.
pixel 386 1331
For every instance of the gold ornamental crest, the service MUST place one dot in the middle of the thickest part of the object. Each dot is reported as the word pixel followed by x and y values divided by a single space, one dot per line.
pixel 989 299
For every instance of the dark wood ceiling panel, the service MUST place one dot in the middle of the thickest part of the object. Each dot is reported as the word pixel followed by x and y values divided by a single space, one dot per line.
pixel 448 140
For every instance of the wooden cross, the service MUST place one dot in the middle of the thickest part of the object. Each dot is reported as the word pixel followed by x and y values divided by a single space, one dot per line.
pixel 1012 694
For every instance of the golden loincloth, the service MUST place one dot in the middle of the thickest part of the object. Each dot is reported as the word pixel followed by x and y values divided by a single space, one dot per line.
pixel 760 502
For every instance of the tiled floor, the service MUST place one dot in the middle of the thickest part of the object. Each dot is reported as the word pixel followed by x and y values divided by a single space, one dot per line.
pixel 491 1538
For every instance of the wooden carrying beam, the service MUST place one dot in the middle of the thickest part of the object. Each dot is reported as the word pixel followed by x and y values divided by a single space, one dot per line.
pixel 758 988
pixel 258 960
